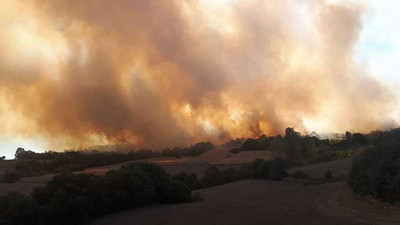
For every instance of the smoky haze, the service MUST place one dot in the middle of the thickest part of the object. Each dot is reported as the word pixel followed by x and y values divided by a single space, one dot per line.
pixel 163 73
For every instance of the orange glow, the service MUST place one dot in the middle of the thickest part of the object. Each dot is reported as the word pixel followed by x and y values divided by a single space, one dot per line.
pixel 176 72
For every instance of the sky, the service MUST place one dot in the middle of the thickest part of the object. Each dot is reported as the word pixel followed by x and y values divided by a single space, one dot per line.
pixel 75 74
pixel 379 47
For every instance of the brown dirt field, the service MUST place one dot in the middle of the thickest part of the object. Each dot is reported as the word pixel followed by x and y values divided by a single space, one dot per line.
pixel 263 202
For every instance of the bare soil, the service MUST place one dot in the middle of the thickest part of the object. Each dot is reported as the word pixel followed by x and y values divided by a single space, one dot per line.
pixel 263 202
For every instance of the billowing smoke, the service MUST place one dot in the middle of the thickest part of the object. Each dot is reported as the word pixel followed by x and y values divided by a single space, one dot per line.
pixel 161 73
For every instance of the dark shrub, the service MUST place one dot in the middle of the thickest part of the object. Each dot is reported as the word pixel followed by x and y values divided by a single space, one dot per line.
pixel 189 179
pixel 212 177
pixel 178 192
pixel 75 198
pixel 260 169
pixel 254 144
pixel 71 161
pixel 17 209
pixel 11 177
pixel 328 174
pixel 235 150
pixel 200 148
pixel 228 175
pixel 296 150
pixel 358 138
pixel 235 143
pixel 243 172
pixel 272 170
pixel 277 170
pixel 161 180
pixel 128 187
pixel 194 150
pixel 376 172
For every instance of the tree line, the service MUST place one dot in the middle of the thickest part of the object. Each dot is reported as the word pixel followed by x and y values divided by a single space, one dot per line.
pixel 376 172
pixel 33 164
pixel 299 150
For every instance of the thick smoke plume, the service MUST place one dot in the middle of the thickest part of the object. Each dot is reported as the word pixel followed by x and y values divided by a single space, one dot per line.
pixel 161 73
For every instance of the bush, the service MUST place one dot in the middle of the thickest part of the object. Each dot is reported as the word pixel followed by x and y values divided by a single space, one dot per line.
pixel 300 175
pixel 228 175
pixel 235 150
pixel 71 161
pixel 260 169
pixel 212 177
pixel 328 174
pixel 189 180
pixel 75 198
pixel 271 170
pixel 255 144
pixel 234 143
pixel 11 177
pixel 194 150
pixel 17 209
pixel 376 172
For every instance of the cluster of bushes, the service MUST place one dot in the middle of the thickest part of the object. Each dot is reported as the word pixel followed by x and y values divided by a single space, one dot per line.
pixel 75 198
pixel 194 150
pixel 376 172
pixel 296 149
pixel 258 144
pixel 34 164
pixel 234 143
pixel 235 150
pixel 300 150
pixel 258 169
